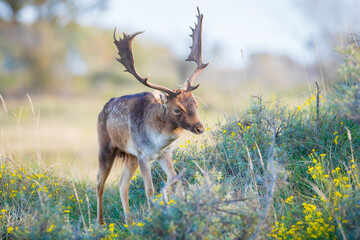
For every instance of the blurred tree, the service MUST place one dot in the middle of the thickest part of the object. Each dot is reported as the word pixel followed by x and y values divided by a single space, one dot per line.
pixel 34 56
pixel 15 6
pixel 52 10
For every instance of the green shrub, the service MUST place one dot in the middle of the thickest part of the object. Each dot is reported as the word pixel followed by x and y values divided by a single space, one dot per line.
pixel 206 210
pixel 328 209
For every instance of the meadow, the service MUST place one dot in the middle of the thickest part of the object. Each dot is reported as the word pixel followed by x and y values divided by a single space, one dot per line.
pixel 271 171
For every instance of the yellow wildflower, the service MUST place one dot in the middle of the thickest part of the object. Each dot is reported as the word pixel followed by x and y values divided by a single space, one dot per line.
pixel 10 229
pixel 289 199
pixel 239 124
pixel 171 201
pixel 338 194
pixel 50 228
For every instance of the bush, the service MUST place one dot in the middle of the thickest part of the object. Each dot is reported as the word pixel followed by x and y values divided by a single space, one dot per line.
pixel 207 210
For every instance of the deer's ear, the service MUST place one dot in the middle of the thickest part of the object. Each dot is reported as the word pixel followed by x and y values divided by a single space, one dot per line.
pixel 161 97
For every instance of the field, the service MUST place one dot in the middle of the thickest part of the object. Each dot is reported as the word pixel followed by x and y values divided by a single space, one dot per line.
pixel 61 131
pixel 271 171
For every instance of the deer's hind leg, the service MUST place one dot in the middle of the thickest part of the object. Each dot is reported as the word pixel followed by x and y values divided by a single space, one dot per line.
pixel 129 165
pixel 106 159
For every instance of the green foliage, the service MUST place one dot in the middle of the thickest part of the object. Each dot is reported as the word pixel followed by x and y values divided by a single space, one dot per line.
pixel 277 173
pixel 196 215
pixel 36 205
pixel 226 189
pixel 327 209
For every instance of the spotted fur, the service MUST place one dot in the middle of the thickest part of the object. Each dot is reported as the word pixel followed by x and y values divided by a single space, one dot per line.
pixel 140 128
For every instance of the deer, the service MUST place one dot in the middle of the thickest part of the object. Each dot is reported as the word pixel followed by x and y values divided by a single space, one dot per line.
pixel 143 127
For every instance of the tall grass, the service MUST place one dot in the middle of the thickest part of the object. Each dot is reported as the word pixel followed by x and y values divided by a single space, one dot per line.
pixel 275 172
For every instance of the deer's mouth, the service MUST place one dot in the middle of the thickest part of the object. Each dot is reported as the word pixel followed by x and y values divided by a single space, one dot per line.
pixel 198 128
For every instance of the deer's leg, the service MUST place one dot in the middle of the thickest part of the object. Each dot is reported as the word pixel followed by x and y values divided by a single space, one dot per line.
pixel 166 164
pixel 130 165
pixel 106 160
pixel 145 170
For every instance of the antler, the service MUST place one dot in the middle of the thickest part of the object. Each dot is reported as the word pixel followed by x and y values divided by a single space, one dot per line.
pixel 195 54
pixel 124 46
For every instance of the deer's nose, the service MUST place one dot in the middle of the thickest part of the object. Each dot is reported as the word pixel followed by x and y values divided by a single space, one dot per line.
pixel 198 128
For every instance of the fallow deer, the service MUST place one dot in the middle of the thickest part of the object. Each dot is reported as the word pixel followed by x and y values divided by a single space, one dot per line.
pixel 142 127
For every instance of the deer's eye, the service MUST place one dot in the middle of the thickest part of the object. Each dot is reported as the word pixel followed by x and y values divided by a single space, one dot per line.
pixel 177 111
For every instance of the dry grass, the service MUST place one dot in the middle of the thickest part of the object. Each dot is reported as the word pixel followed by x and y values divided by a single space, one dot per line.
pixel 61 131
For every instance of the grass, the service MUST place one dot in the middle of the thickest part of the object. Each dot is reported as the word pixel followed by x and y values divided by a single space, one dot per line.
pixel 315 179
pixel 271 172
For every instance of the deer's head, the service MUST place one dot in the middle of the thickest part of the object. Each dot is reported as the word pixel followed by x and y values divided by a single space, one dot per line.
pixel 181 110
pixel 180 103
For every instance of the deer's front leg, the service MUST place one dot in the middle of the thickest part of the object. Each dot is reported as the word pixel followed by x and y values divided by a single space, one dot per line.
pixel 166 164
pixel 145 170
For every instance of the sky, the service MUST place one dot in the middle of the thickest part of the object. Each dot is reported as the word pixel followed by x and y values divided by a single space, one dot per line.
pixel 232 30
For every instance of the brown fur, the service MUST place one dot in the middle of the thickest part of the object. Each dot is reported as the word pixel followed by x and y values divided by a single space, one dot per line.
pixel 143 127
pixel 139 128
